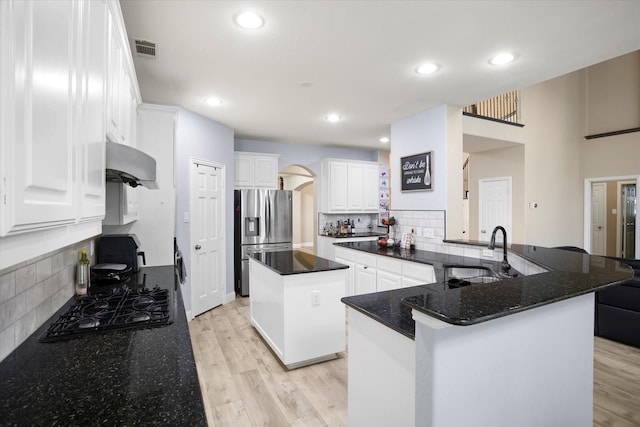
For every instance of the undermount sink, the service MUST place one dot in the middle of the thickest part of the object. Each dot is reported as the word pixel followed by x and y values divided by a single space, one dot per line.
pixel 457 276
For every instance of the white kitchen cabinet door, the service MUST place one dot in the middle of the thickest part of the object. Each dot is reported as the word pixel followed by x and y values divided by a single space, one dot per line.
pixel 91 114
pixel 255 170
pixel 338 187
pixel 114 82
pixel 354 185
pixel 265 172
pixel 122 95
pixel 370 186
pixel 349 186
pixel 243 172
pixel 389 273
pixel 388 281
pixel 365 279
pixel 39 59
pixel 415 273
pixel 346 257
pixel 365 273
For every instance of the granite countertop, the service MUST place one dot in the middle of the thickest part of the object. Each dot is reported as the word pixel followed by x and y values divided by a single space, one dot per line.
pixel 570 274
pixel 295 262
pixel 133 377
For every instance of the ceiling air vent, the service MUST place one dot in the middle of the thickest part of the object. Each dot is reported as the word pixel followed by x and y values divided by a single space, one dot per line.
pixel 145 48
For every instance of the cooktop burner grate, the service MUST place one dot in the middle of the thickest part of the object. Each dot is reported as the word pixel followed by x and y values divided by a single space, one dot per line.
pixel 120 309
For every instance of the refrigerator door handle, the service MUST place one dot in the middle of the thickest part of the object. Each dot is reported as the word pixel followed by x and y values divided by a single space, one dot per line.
pixel 269 219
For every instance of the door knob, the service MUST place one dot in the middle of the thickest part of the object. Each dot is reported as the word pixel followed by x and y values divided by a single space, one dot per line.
pixel 483 231
pixel 198 247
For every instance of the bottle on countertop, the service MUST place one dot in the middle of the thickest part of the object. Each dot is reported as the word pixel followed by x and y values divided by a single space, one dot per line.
pixel 353 227
pixel 82 274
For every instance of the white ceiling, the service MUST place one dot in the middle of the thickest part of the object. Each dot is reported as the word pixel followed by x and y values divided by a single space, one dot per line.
pixel 360 56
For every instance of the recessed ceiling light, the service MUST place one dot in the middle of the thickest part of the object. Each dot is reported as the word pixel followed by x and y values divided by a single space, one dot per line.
pixel 213 101
pixel 384 139
pixel 427 68
pixel 501 58
pixel 333 117
pixel 249 20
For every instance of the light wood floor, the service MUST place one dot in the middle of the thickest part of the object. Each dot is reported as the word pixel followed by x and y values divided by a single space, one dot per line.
pixel 243 384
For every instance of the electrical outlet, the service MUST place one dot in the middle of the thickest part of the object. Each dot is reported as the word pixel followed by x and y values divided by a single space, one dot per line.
pixel 186 217
pixel 315 298
pixel 418 232
pixel 428 232
pixel 487 253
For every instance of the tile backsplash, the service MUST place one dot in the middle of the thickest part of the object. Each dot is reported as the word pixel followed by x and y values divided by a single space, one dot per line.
pixel 361 220
pixel 32 291
pixel 428 227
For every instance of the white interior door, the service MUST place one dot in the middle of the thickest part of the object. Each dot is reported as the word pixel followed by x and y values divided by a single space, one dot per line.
pixel 207 236
pixel 494 198
pixel 598 215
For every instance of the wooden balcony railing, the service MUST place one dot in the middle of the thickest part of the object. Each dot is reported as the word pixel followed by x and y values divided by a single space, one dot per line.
pixel 503 108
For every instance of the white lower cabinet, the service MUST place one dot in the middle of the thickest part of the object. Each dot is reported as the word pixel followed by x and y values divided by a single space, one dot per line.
pixel 375 273
pixel 365 273
pixel 389 273
pixel 415 273
pixel 347 257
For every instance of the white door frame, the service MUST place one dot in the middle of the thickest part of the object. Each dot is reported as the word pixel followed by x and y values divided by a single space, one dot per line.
pixel 587 206
pixel 509 225
pixel 193 161
pixel 604 218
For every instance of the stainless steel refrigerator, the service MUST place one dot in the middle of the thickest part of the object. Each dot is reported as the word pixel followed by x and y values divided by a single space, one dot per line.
pixel 262 222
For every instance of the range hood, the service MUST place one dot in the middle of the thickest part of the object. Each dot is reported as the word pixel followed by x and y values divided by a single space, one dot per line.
pixel 131 166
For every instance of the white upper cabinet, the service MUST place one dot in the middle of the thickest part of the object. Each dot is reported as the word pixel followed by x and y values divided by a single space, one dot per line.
pixel 256 170
pixel 39 76
pixel 56 76
pixel 349 186
pixel 92 108
pixel 122 95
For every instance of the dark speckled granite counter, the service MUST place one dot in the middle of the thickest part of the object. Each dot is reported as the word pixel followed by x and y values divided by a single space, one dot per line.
pixel 570 274
pixel 295 262
pixel 138 377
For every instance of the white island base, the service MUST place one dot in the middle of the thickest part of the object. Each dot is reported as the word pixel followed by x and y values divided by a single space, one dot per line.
pixel 300 316
pixel 528 369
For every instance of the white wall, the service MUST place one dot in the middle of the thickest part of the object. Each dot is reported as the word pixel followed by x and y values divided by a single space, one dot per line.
pixel 439 130
pixel 551 114
pixel 155 227
pixel 205 139
pixel 422 132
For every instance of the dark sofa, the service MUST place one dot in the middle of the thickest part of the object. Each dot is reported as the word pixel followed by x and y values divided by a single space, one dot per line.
pixel 618 309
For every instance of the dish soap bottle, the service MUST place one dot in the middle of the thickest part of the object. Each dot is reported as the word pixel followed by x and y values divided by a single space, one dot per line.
pixel 82 274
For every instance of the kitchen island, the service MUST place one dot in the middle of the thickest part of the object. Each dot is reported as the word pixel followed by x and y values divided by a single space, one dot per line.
pixel 295 305
pixel 134 377
pixel 511 352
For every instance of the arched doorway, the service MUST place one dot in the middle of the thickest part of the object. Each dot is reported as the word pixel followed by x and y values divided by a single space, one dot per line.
pixel 301 181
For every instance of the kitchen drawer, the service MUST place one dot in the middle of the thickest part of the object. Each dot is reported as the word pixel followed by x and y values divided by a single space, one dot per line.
pixel 366 259
pixel 418 271
pixel 346 254
pixel 390 265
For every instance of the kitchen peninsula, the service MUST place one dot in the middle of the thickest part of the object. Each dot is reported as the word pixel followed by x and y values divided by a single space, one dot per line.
pixel 295 305
pixel 508 352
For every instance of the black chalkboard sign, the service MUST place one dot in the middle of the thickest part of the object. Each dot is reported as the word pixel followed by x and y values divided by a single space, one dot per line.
pixel 417 172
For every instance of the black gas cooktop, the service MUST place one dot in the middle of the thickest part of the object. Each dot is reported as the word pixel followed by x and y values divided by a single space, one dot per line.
pixel 116 309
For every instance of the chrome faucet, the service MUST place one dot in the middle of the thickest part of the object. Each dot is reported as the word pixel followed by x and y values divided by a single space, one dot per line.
pixel 492 245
